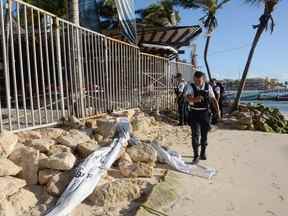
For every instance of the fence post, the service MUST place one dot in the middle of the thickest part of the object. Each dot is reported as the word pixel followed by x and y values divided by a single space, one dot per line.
pixel 5 63
pixel 168 85
pixel 59 64
pixel 107 75
pixel 139 78
pixel 80 74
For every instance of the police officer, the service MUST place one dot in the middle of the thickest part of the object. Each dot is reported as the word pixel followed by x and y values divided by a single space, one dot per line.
pixel 179 91
pixel 200 95
pixel 217 93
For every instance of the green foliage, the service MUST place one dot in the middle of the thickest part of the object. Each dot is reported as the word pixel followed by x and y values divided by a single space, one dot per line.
pixel 210 8
pixel 57 7
pixel 159 14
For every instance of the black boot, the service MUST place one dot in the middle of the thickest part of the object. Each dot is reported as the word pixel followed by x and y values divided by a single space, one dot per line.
pixel 196 154
pixel 203 153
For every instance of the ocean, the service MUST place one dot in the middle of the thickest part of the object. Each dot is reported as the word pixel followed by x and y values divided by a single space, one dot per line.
pixel 281 105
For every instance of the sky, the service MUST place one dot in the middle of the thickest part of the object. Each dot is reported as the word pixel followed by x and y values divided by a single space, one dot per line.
pixel 231 41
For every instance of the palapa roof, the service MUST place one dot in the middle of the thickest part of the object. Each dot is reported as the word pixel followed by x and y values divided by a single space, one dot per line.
pixel 165 40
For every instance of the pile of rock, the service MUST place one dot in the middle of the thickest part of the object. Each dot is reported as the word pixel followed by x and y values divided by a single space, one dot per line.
pixel 260 118
pixel 44 158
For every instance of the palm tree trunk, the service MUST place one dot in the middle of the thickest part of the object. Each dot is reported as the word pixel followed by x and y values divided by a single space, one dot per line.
pixel 258 34
pixel 206 56
pixel 75 12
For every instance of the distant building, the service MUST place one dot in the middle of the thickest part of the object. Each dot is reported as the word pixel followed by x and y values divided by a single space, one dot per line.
pixel 253 84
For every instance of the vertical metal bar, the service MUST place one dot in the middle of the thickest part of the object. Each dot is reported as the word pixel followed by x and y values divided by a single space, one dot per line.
pixel 66 69
pixel 74 72
pixel 5 64
pixel 80 72
pixel 139 74
pixel 42 66
pixel 1 120
pixel 71 72
pixel 29 66
pixel 93 50
pixel 21 64
pixel 113 80
pixel 35 65
pixel 107 74
pixel 59 64
pixel 98 65
pixel 85 72
pixel 90 74
pixel 121 88
pixel 48 67
pixel 118 73
pixel 13 65
pixel 54 68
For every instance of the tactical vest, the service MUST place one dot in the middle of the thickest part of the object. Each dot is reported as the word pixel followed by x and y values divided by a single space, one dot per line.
pixel 205 103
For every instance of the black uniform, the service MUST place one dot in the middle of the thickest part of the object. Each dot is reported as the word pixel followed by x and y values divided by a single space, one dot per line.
pixel 199 120
pixel 181 105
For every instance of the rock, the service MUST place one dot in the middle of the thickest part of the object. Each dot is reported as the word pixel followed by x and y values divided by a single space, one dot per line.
pixel 10 185
pixel 73 139
pixel 43 145
pixel 106 127
pixel 61 161
pixel 6 208
pixel 98 137
pixel 42 156
pixel 8 168
pixel 57 184
pixel 129 169
pixel 142 153
pixel 52 133
pixel 45 175
pixel 91 123
pixel 262 126
pixel 138 169
pixel 111 194
pixel 26 136
pixel 85 149
pixel 8 141
pixel 56 149
pixel 127 113
pixel 105 142
pixel 28 159
pixel 73 122
pixel 142 123
pixel 45 200
pixel 23 201
pixel 163 194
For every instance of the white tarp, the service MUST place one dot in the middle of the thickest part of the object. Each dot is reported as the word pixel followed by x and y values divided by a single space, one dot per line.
pixel 90 171
pixel 174 160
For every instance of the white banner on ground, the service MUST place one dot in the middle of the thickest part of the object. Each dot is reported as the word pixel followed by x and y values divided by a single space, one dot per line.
pixel 90 171
pixel 174 160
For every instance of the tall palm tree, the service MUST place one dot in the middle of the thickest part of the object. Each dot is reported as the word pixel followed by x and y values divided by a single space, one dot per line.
pixel 159 14
pixel 57 7
pixel 209 20
pixel 265 21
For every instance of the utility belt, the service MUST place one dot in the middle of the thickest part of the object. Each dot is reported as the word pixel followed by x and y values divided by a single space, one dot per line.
pixel 192 108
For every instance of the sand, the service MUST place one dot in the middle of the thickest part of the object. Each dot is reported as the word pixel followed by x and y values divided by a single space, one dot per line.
pixel 252 177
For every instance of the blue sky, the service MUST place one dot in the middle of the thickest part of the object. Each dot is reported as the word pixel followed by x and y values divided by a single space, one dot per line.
pixel 232 39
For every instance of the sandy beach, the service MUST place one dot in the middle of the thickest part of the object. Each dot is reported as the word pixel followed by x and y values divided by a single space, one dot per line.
pixel 251 180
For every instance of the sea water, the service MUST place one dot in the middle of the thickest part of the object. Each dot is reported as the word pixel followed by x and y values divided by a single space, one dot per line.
pixel 281 105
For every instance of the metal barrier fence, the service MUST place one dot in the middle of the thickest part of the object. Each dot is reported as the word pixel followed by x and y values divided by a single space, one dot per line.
pixel 51 68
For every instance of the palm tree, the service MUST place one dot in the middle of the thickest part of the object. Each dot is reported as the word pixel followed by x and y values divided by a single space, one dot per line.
pixel 57 7
pixel 160 14
pixel 265 21
pixel 209 20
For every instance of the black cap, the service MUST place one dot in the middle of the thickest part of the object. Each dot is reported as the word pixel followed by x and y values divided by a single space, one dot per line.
pixel 178 76
pixel 199 74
